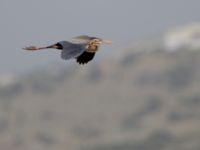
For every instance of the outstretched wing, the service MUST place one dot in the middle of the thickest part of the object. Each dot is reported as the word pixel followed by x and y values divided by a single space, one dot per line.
pixel 85 57
pixel 71 50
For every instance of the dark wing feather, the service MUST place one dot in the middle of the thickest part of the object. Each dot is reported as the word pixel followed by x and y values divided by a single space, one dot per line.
pixel 85 57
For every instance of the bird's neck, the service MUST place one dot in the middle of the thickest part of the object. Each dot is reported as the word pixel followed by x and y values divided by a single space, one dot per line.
pixel 92 48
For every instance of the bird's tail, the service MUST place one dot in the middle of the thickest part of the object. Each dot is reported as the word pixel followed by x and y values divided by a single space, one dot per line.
pixel 34 48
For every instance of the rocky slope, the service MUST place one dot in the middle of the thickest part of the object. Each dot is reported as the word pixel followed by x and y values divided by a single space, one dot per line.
pixel 140 101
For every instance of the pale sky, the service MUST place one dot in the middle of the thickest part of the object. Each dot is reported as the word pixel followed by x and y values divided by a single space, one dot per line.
pixel 43 22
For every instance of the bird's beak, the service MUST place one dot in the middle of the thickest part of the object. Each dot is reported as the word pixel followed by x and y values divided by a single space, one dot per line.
pixel 106 42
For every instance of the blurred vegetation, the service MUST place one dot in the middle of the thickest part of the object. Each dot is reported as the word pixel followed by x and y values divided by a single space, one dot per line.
pixel 142 101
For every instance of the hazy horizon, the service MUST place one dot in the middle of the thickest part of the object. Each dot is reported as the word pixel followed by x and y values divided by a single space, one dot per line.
pixel 135 94
pixel 45 22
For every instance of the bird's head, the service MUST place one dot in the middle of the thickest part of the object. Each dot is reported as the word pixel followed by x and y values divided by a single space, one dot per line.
pixel 93 40
pixel 98 42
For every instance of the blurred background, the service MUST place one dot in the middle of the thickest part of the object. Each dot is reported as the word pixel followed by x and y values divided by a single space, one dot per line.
pixel 140 93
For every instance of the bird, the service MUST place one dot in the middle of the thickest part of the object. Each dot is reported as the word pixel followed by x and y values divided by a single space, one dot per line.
pixel 83 48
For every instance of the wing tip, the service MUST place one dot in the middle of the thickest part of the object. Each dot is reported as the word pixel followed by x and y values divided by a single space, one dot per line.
pixel 81 62
pixel 85 58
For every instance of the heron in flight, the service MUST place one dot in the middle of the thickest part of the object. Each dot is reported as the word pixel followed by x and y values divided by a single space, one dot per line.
pixel 83 49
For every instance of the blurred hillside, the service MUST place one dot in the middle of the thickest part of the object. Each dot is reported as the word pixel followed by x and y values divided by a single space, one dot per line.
pixel 140 100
